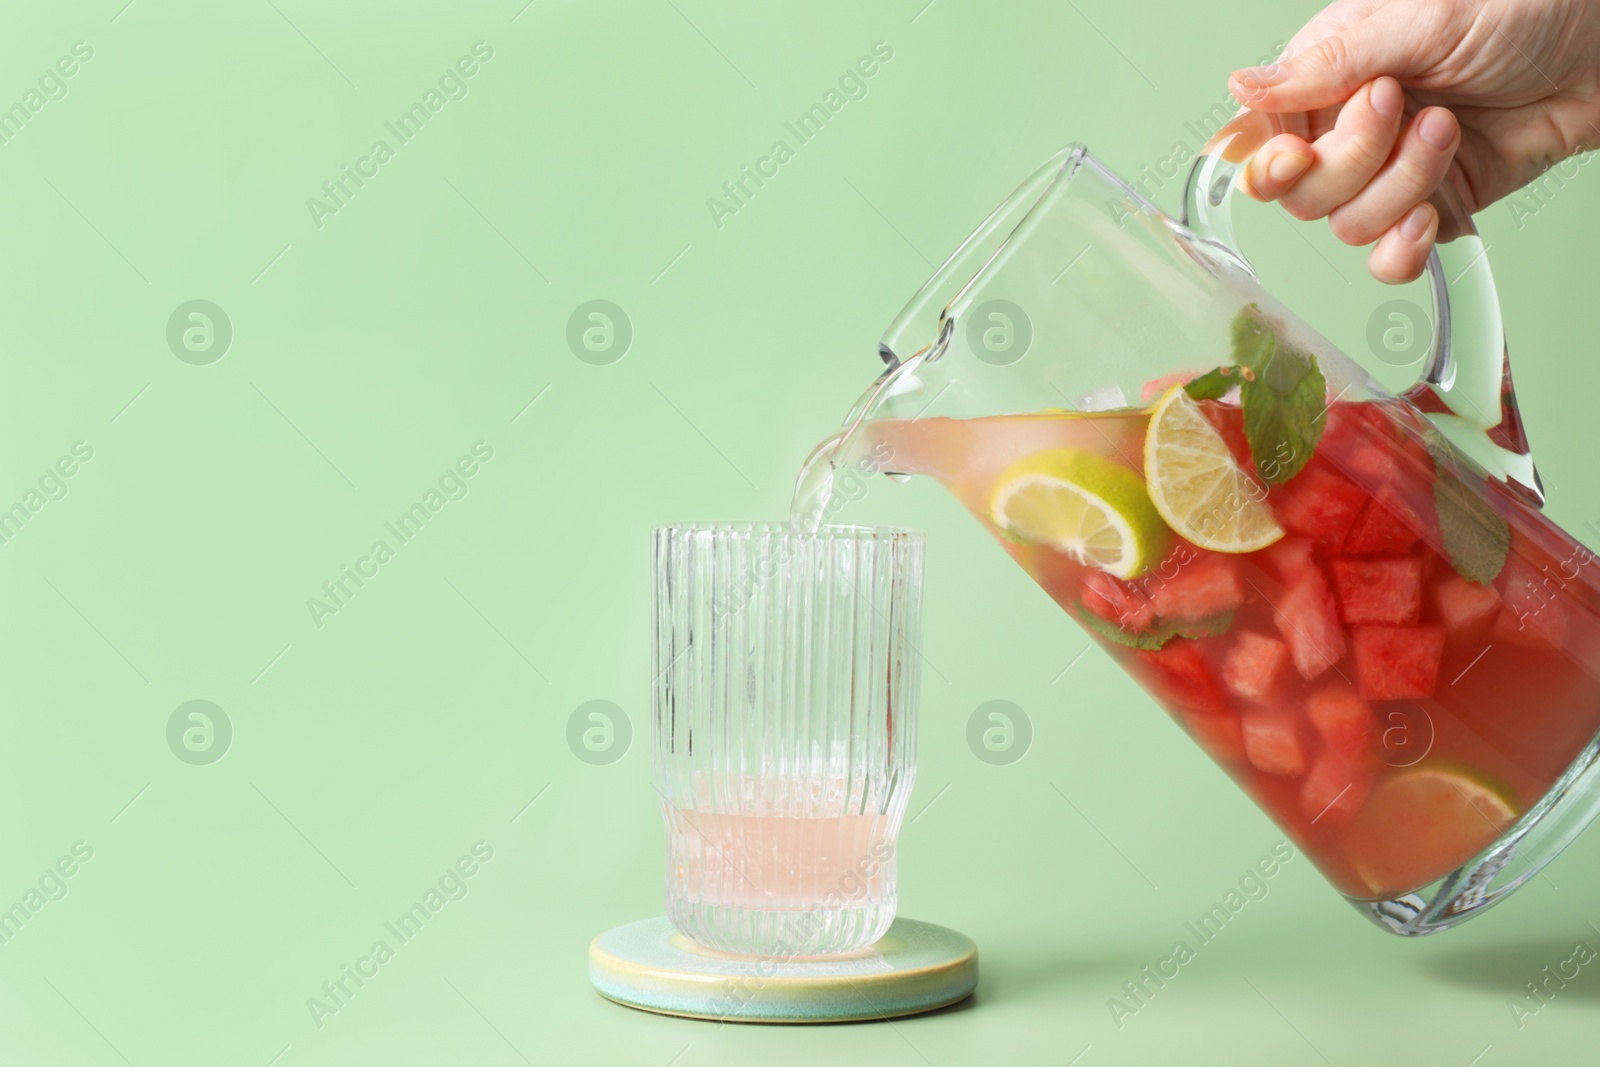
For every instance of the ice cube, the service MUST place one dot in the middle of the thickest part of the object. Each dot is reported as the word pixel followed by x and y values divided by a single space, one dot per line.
pixel 1106 398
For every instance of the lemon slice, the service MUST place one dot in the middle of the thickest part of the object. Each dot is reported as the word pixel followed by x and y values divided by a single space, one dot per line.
pixel 1084 505
pixel 1423 823
pixel 1197 486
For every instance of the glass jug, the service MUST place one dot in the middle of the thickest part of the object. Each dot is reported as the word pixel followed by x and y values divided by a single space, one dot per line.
pixel 1348 599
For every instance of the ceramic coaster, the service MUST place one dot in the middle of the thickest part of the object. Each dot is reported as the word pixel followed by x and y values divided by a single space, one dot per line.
pixel 915 967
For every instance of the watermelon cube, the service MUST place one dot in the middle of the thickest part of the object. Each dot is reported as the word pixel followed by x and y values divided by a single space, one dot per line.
pixel 1532 614
pixel 1464 606
pixel 1117 601
pixel 1397 662
pixel 1343 720
pixel 1358 445
pixel 1373 442
pixel 1387 524
pixel 1384 589
pixel 1369 462
pixel 1274 740
pixel 1416 465
pixel 1306 618
pixel 1319 504
pixel 1287 560
pixel 1179 675
pixel 1207 585
pixel 1336 787
pixel 1219 735
pixel 1344 425
pixel 1228 421
pixel 1254 665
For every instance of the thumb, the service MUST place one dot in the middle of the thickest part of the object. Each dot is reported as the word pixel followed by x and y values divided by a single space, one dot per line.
pixel 1326 72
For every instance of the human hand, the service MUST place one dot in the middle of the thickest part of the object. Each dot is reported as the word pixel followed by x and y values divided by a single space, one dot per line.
pixel 1378 98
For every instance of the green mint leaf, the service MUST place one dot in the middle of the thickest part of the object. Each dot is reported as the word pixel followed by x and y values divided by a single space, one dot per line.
pixel 1116 634
pixel 1284 398
pixel 1285 411
pixel 1214 384
pixel 1151 640
pixel 1476 536
pixel 1253 338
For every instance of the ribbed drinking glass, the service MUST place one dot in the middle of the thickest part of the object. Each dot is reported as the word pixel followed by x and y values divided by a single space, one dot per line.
pixel 785 722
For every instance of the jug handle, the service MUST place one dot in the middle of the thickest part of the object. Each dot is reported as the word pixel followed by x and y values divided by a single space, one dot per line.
pixel 1466 387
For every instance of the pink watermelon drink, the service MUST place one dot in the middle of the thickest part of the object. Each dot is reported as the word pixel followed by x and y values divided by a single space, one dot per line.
pixel 1388 652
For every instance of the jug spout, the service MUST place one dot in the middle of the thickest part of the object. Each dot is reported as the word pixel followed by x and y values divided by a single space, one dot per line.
pixel 817 495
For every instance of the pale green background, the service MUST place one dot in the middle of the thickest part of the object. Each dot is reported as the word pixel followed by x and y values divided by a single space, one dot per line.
pixel 369 754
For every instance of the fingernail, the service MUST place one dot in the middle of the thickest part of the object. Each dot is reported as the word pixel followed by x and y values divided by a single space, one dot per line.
pixel 1415 224
pixel 1387 99
pixel 1437 128
pixel 1287 166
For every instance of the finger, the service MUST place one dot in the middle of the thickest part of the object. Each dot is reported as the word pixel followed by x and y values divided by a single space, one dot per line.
pixel 1411 174
pixel 1402 252
pixel 1349 155
pixel 1319 121
pixel 1272 171
pixel 1331 69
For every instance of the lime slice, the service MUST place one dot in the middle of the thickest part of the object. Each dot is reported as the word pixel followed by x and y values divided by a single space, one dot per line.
pixel 1421 824
pixel 1084 505
pixel 1197 486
